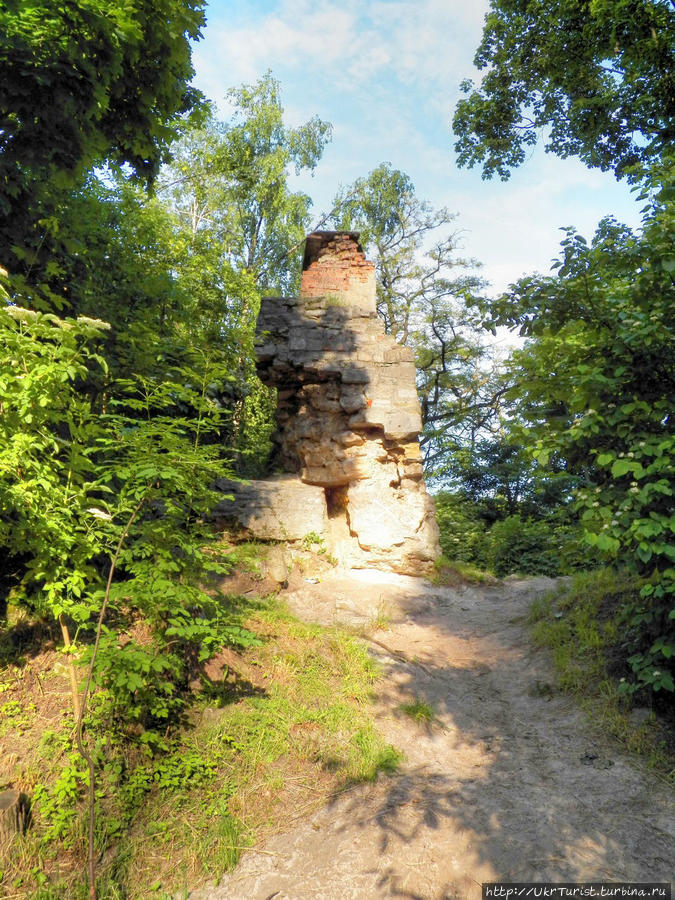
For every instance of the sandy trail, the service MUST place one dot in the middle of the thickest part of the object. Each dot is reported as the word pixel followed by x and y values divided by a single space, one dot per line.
pixel 509 784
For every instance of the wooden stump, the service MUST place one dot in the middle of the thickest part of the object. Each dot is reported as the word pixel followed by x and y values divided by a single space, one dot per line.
pixel 14 814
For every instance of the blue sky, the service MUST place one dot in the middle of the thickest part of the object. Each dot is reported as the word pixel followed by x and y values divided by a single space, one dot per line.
pixel 386 74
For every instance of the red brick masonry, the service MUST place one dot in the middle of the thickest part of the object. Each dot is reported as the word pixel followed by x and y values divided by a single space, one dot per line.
pixel 332 261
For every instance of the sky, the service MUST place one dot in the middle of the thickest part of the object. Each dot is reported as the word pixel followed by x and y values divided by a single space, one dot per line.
pixel 386 74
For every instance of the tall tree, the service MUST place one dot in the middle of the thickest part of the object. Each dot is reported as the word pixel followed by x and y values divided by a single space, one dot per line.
pixel 595 380
pixel 228 183
pixel 596 386
pixel 239 223
pixel 414 263
pixel 598 75
pixel 83 82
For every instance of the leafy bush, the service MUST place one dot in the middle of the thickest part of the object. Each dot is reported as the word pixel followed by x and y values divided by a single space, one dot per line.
pixel 462 530
pixel 551 545
pixel 584 624
pixel 75 477
pixel 521 546
pixel 536 547
pixel 596 383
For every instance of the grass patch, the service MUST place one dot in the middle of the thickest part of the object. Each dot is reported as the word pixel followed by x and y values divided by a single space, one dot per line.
pixel 419 711
pixel 454 573
pixel 579 624
pixel 276 731
pixel 381 621
pixel 247 556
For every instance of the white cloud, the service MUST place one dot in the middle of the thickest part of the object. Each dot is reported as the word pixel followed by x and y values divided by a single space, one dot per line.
pixel 514 227
pixel 428 38
pixel 386 73
pixel 296 33
pixel 417 43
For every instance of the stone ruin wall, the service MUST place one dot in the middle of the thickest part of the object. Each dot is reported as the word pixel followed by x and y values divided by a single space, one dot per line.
pixel 348 420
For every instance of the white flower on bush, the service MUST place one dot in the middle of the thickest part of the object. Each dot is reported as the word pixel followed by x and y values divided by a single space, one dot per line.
pixel 99 513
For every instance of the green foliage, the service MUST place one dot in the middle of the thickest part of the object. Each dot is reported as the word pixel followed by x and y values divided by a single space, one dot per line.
pixel 169 303
pixel 650 642
pixel 596 387
pixel 58 802
pixel 580 624
pixel 535 547
pixel 498 473
pixel 462 529
pixel 413 283
pixel 256 428
pixel 597 75
pixel 228 183
pixel 523 547
pixel 70 478
pixel 183 768
pixel 81 83
pixel 419 711
pixel 212 787
pixel 236 225
pixel 15 717
pixel 584 625
pixel 129 422
pixel 550 544
pixel 311 540
pixel 47 433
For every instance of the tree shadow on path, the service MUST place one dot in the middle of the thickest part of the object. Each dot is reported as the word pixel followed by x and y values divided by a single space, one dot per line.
pixel 510 783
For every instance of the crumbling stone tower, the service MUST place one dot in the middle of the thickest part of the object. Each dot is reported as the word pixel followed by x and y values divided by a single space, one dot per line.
pixel 348 415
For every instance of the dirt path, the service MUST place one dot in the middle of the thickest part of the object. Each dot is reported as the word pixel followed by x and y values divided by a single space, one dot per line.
pixel 509 783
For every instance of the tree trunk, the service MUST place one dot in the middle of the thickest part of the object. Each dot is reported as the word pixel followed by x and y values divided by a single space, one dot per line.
pixel 14 814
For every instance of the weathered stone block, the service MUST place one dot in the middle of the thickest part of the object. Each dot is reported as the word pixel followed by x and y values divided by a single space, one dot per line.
pixel 353 375
pixel 281 509
pixel 349 438
pixel 348 416
pixel 352 398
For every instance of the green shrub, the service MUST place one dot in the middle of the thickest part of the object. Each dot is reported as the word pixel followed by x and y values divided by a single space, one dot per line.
pixel 521 546
pixel 462 531
pixel 586 625
pixel 551 545
pixel 129 479
pixel 536 547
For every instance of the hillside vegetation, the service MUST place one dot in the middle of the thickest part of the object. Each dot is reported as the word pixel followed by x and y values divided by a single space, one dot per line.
pixel 137 235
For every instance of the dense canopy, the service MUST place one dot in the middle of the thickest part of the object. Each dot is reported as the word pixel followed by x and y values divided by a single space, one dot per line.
pixel 87 81
pixel 597 75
